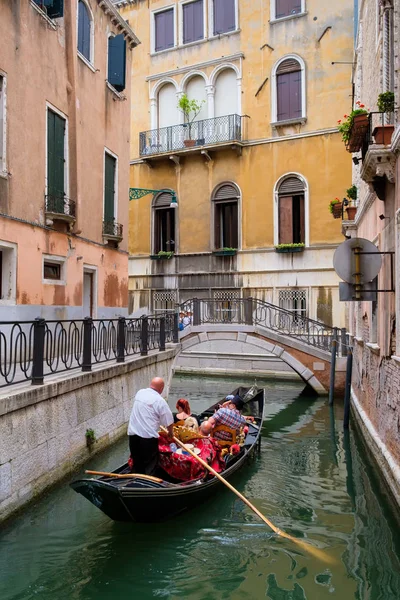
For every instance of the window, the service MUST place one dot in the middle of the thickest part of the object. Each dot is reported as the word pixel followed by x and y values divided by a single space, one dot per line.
pixel 193 21
pixel 164 224
pixel 164 301
pixel 285 8
pixel 54 269
pixel 84 31
pixel 291 211
pixel 110 168
pixel 164 34
pixel 8 273
pixel 2 124
pixel 54 9
pixel 56 160
pixel 289 90
pixel 294 301
pixel 225 199
pixel 224 16
pixel 117 62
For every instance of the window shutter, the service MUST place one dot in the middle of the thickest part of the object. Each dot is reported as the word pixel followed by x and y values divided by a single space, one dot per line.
pixel 55 155
pixel 162 200
pixel 164 30
pixel 286 220
pixel 226 192
pixel 224 16
pixel 193 21
pixel 291 186
pixel 295 94
pixel 288 66
pixel 283 100
pixel 217 227
pixel 117 61
pixel 302 236
pixel 109 187
pixel 234 241
pixel 83 30
pixel 288 88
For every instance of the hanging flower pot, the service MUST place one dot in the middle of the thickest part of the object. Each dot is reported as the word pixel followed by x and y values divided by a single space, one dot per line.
pixel 335 208
pixel 357 133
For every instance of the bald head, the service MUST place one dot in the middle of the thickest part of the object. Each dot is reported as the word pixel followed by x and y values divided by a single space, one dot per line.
pixel 206 428
pixel 157 384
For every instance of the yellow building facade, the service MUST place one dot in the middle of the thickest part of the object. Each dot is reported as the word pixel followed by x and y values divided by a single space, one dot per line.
pixel 259 164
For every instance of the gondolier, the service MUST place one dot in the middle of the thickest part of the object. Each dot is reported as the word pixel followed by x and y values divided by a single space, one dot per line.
pixel 149 412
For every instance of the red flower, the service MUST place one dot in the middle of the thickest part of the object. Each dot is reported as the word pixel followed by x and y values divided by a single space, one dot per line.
pixel 362 105
pixel 345 116
pixel 340 120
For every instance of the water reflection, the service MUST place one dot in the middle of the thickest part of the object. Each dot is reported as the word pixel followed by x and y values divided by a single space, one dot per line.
pixel 310 479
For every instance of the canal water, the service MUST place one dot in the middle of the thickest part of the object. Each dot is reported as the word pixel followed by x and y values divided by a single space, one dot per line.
pixel 310 479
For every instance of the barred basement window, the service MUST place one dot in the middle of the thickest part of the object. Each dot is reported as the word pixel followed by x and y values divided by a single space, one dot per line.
pixel 226 307
pixel 294 301
pixel 164 301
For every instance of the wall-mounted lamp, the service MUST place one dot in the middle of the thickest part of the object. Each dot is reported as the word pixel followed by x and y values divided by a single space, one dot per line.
pixel 382 217
pixel 356 160
pixel 137 193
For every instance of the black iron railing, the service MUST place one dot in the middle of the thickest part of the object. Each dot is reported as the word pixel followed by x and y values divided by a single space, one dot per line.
pixel 199 133
pixel 113 229
pixel 250 311
pixel 32 350
pixel 379 130
pixel 60 205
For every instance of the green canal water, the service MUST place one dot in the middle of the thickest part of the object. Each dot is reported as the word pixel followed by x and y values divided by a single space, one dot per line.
pixel 310 479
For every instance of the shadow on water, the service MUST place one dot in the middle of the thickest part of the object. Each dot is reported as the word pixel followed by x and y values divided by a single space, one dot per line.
pixel 310 479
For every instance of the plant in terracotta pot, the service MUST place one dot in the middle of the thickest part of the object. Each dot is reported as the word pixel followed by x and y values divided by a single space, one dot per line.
pixel 191 109
pixel 383 133
pixel 353 127
pixel 335 208
pixel 351 207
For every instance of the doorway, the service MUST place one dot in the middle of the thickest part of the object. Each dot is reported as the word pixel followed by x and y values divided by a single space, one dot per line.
pixel 89 293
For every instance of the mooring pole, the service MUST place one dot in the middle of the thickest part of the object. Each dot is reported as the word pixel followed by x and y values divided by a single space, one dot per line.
pixel 347 391
pixel 333 365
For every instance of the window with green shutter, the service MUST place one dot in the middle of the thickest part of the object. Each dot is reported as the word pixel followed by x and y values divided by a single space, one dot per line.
pixel 56 159
pixel 109 188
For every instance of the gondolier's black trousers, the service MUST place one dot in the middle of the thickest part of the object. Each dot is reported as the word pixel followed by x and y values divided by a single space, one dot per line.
pixel 144 452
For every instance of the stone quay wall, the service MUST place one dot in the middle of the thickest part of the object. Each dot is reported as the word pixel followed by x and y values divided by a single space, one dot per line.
pixel 42 429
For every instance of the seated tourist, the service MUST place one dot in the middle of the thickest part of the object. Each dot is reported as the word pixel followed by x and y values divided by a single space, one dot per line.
pixel 206 428
pixel 228 416
pixel 184 412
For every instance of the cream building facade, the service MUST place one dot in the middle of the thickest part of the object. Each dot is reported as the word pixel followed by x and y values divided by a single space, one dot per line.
pixel 259 164
pixel 64 159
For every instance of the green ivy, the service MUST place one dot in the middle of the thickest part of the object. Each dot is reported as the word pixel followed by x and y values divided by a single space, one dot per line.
pixel 282 246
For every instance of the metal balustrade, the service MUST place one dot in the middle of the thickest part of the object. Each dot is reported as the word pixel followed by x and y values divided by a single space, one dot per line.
pixel 251 311
pixel 199 133
pixel 60 205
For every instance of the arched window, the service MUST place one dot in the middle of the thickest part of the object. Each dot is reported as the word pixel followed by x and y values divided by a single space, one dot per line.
pixel 225 199
pixel 84 31
pixel 291 211
pixel 289 90
pixel 164 234
pixel 226 93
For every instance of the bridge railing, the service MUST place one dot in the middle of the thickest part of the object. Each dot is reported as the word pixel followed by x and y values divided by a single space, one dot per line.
pixel 251 311
pixel 32 350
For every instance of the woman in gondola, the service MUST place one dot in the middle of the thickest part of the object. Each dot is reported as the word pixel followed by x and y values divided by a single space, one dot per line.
pixel 184 412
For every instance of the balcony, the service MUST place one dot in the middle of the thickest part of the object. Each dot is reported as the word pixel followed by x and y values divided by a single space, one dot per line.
pixel 60 208
pixel 112 231
pixel 378 159
pixel 197 137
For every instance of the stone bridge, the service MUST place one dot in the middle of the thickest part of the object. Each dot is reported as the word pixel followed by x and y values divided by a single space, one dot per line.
pixel 251 325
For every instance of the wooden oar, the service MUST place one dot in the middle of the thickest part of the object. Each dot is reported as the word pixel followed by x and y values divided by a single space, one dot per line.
pixel 320 554
pixel 125 475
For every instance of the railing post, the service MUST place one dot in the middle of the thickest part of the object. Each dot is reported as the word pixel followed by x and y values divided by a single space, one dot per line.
pixel 87 344
pixel 39 329
pixel 343 341
pixel 333 365
pixel 121 340
pixel 144 336
pixel 347 393
pixel 162 334
pixel 248 311
pixel 196 311
pixel 175 333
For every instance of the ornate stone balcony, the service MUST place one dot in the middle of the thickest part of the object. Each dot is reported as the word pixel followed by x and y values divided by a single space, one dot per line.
pixel 60 208
pixel 378 158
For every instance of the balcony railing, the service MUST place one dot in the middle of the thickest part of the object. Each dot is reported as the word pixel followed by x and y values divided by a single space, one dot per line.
pixel 199 133
pixel 112 230
pixel 379 131
pixel 60 206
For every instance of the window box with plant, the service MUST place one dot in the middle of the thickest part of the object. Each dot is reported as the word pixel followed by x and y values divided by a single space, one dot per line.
pixel 162 255
pixel 354 127
pixel 351 207
pixel 336 208
pixel 382 134
pixel 225 252
pixel 289 248
pixel 190 109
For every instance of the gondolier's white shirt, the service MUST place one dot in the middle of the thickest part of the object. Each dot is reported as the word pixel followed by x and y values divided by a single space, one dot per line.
pixel 149 411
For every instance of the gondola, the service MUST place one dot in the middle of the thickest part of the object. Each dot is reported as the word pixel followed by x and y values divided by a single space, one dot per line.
pixel 141 500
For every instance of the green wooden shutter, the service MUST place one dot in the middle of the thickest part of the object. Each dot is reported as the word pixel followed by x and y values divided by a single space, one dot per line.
pixel 55 160
pixel 109 188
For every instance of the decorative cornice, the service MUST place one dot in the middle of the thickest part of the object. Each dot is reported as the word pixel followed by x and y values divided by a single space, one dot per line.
pixel 207 63
pixel 109 9
pixel 379 161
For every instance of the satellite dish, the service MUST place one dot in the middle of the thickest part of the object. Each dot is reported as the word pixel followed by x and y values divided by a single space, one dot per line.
pixel 344 260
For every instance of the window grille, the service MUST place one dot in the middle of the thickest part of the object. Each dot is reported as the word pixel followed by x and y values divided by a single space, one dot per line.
pixel 226 294
pixel 295 301
pixel 164 301
pixel 225 306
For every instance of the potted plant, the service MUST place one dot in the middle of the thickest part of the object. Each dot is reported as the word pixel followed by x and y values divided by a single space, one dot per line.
pixel 351 208
pixel 163 254
pixel 353 127
pixel 335 208
pixel 382 134
pixel 225 251
pixel 290 248
pixel 190 109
